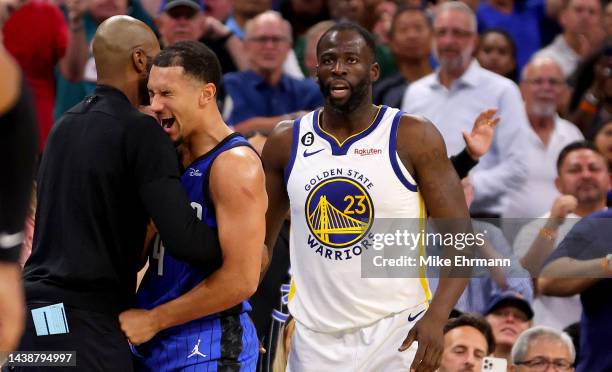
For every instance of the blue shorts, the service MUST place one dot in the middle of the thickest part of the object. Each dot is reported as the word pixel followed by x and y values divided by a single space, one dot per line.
pixel 228 343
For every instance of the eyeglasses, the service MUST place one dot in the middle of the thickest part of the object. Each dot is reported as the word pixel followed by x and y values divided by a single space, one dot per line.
pixel 266 39
pixel 541 81
pixel 542 364
pixel 455 32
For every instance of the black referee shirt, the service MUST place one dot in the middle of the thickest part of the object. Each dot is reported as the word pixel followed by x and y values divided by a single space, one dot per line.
pixel 106 169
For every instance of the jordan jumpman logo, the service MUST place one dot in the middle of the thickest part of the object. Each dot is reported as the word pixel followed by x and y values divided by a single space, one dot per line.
pixel 196 350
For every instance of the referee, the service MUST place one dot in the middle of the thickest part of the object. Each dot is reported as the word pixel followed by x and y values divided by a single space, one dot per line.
pixel 106 170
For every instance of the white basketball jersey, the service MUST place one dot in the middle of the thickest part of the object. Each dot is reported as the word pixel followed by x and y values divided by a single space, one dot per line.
pixel 336 190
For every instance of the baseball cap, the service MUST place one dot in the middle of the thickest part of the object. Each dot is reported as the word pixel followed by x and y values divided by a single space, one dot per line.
pixel 169 4
pixel 509 298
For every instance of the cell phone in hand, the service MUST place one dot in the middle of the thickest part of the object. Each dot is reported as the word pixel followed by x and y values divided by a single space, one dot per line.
pixel 492 364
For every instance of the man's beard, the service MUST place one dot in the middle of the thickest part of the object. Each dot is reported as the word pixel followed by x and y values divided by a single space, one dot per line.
pixel 543 109
pixel 358 94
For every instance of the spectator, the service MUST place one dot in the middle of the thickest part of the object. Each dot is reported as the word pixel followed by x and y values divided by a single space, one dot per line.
pixel 607 19
pixel 69 93
pixel 497 52
pixel 582 34
pixel 583 265
pixel 37 35
pixel 520 19
pixel 591 103
pixel 540 348
pixel 263 96
pixel 486 282
pixel 410 41
pixel 310 49
pixel 603 141
pixel 244 10
pixel 509 315
pixel 543 89
pixel 303 14
pixel 467 340
pixel 583 181
pixel 185 20
pixel 219 9
pixel 461 87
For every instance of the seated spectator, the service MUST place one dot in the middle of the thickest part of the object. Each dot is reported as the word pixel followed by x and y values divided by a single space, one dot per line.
pixel 591 102
pixel 582 34
pixel 303 14
pixel 543 349
pixel 467 340
pixel 497 52
pixel 543 88
pixel 309 65
pixel 263 96
pixel 583 265
pixel 410 39
pixel 454 94
pixel 181 20
pixel 583 181
pixel 603 141
pixel 509 315
pixel 70 93
pixel 39 38
pixel 520 19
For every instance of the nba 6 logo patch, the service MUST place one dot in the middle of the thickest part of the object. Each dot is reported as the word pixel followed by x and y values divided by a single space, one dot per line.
pixel 339 212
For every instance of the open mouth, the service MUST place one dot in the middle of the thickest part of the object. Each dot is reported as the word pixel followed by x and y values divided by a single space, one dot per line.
pixel 339 90
pixel 167 123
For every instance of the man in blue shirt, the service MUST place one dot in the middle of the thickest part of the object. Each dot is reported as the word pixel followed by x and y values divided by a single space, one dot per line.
pixel 264 96
pixel 583 264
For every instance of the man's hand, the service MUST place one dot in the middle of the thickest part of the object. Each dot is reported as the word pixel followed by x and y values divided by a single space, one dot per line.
pixel 12 308
pixel 139 325
pixel 480 139
pixel 563 205
pixel 428 333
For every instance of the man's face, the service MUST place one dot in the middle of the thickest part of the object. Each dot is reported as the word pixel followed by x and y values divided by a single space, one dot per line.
pixel 464 349
pixel 543 88
pixel 454 40
pixel 267 44
pixel 411 37
pixel 180 23
pixel 346 70
pixel 101 10
pixel 507 323
pixel 349 10
pixel 584 174
pixel 581 16
pixel 543 350
pixel 174 99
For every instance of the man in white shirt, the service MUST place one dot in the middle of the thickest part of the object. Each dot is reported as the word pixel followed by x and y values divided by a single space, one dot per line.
pixel 456 92
pixel 582 34
pixel 542 86
pixel 583 182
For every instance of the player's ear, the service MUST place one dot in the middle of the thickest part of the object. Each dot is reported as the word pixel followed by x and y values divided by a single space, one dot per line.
pixel 209 90
pixel 374 72
pixel 139 60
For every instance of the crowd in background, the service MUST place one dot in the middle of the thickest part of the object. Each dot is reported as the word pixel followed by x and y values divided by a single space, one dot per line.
pixel 545 65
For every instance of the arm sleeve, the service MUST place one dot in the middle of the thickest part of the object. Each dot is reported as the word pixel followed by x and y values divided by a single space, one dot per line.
pixel 156 170
pixel 18 148
pixel 463 163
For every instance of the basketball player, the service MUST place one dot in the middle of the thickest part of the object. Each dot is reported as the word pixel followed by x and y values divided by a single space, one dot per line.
pixel 362 160
pixel 191 317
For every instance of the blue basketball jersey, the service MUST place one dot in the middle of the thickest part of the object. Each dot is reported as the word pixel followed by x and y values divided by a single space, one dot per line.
pixel 208 343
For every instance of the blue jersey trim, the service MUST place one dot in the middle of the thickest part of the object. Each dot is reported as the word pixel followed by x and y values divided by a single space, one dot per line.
pixel 295 141
pixel 393 153
pixel 339 149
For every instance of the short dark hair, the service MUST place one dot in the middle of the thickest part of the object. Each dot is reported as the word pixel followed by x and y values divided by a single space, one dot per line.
pixel 475 321
pixel 351 26
pixel 197 60
pixel 410 8
pixel 574 146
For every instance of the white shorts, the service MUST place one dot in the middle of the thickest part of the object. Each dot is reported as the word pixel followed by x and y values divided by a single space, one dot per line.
pixel 371 348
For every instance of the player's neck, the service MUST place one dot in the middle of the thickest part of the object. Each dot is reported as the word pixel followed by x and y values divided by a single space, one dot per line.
pixel 208 134
pixel 343 125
